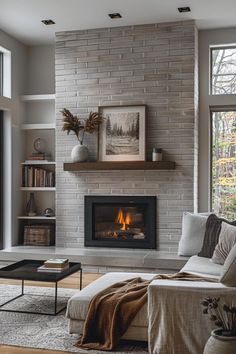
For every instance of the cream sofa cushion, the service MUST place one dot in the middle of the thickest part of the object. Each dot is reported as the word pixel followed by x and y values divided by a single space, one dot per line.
pixel 228 274
pixel 202 266
pixel 227 240
pixel 78 304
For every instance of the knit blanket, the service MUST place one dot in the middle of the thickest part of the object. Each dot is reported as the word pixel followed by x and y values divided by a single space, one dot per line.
pixel 112 310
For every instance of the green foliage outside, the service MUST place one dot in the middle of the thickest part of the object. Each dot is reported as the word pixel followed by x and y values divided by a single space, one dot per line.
pixel 224 164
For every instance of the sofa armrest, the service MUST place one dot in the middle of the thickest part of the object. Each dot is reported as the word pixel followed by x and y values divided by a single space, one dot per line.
pixel 176 322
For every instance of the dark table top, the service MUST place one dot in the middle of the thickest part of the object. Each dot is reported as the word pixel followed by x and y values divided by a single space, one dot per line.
pixel 27 270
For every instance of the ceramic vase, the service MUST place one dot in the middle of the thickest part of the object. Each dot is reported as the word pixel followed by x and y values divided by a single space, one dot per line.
pixel 31 206
pixel 79 153
pixel 218 344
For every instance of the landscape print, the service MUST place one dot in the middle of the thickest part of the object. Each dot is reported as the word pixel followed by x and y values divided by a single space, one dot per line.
pixel 122 133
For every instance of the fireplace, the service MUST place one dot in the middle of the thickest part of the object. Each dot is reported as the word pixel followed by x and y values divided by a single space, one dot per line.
pixel 120 221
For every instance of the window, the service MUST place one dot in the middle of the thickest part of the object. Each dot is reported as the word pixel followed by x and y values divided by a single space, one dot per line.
pixel 223 70
pixel 224 163
pixel 5 72
pixel 1 74
pixel 1 180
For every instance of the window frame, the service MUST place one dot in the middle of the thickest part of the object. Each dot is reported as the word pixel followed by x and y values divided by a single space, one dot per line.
pixel 218 47
pixel 213 109
pixel 1 73
pixel 1 179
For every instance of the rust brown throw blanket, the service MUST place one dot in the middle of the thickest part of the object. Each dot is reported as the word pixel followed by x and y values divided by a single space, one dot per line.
pixel 113 309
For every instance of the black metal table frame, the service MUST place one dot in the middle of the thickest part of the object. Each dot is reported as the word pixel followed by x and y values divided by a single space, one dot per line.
pixel 56 312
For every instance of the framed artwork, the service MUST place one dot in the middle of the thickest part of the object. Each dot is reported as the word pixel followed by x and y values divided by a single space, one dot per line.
pixel 122 135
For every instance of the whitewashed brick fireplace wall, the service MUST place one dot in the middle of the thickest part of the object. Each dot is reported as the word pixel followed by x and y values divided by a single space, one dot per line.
pixel 150 64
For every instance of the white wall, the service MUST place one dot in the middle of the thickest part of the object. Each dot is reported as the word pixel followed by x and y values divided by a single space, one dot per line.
pixel 13 117
pixel 208 38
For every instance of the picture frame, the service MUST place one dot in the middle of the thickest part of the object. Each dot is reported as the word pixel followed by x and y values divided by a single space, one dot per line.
pixel 122 135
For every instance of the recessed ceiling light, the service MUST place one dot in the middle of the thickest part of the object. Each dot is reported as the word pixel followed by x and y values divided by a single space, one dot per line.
pixel 48 22
pixel 184 9
pixel 115 15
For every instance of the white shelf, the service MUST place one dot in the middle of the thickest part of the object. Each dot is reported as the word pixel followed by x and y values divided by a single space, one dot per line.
pixel 38 189
pixel 35 98
pixel 38 162
pixel 38 126
pixel 37 217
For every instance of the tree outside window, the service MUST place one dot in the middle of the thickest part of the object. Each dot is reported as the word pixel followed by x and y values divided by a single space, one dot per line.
pixel 224 164
pixel 223 70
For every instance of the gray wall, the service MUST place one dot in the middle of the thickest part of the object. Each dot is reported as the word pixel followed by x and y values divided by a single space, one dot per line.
pixel 41 69
pixel 206 39
pixel 152 64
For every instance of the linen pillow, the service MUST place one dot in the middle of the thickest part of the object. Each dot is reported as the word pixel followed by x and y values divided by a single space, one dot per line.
pixel 227 240
pixel 228 274
pixel 193 231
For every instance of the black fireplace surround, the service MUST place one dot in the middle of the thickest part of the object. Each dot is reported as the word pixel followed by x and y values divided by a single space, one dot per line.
pixel 120 221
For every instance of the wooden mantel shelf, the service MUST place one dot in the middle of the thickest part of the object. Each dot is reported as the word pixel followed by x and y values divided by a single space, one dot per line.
pixel 125 165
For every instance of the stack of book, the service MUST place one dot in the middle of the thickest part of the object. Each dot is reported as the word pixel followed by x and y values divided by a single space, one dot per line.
pixel 37 177
pixel 39 156
pixel 55 265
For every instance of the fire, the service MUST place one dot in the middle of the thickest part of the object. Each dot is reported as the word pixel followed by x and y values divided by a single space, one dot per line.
pixel 123 219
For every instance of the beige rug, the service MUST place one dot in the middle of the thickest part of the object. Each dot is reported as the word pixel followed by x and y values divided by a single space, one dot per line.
pixel 43 331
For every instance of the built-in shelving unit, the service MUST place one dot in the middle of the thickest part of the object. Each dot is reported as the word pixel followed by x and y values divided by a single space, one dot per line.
pixel 37 217
pixel 36 98
pixel 39 122
pixel 38 189
pixel 41 126
pixel 124 165
pixel 41 162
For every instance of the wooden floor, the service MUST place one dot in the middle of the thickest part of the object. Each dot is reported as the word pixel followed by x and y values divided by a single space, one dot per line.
pixel 70 282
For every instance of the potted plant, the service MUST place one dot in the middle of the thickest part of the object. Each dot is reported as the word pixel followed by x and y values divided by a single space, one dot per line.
pixel 223 339
pixel 73 123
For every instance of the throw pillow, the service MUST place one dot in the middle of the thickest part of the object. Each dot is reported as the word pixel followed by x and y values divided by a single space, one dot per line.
pixel 227 240
pixel 193 231
pixel 213 227
pixel 228 274
pixel 211 236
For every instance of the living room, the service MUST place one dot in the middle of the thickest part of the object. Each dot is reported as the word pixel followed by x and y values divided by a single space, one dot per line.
pixel 117 125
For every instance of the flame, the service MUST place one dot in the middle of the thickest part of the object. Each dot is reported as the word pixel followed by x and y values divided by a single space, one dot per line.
pixel 123 220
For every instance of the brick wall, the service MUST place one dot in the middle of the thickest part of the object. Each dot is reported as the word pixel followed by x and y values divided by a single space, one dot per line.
pixel 151 64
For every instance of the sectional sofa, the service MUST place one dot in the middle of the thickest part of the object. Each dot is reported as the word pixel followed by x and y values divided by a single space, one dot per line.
pixel 172 321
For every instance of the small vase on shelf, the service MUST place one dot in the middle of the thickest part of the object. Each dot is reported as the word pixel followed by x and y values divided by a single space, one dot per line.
pixel 79 153
pixel 31 206
pixel 79 126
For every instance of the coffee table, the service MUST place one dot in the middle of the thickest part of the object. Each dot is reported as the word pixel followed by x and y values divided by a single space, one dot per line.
pixel 27 270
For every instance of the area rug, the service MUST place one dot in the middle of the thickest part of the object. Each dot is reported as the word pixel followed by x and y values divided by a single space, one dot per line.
pixel 44 331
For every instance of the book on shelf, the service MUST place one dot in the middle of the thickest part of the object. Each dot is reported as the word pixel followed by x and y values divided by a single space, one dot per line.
pixel 39 157
pixel 37 177
pixel 55 263
pixel 43 268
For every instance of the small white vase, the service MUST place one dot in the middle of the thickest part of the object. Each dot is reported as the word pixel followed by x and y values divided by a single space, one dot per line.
pixel 79 153
pixel 218 344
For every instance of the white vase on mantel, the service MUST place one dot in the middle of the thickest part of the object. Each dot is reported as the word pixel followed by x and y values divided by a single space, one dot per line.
pixel 218 344
pixel 79 153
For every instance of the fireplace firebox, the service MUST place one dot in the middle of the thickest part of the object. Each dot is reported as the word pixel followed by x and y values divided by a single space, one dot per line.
pixel 120 221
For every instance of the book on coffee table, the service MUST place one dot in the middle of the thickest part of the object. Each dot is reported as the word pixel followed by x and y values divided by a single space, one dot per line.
pixel 43 268
pixel 56 263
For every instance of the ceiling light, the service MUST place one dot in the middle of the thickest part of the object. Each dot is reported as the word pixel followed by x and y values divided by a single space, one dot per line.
pixel 184 9
pixel 115 15
pixel 48 22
